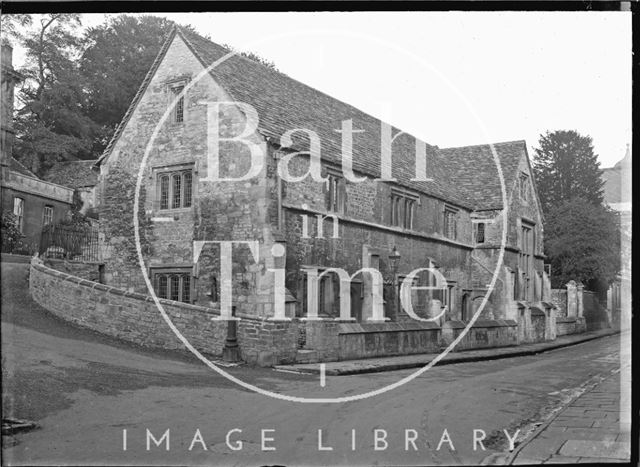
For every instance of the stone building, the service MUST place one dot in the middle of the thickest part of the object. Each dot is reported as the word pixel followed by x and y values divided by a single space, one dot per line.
pixel 33 201
pixel 617 195
pixel 81 176
pixel 388 217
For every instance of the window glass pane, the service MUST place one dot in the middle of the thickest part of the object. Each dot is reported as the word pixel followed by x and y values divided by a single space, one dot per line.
pixel 175 288
pixel 162 286
pixel 164 192
pixel 177 183
pixel 186 288
pixel 178 111
pixel 47 215
pixel 18 211
pixel 480 232
pixel 187 189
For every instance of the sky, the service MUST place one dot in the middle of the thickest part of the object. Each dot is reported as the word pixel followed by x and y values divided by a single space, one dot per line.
pixel 452 78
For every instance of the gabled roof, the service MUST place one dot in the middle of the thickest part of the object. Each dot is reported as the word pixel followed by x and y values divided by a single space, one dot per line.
pixel 476 174
pixel 73 174
pixel 17 166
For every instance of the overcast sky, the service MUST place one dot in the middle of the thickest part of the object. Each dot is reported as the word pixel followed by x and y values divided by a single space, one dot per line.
pixel 453 79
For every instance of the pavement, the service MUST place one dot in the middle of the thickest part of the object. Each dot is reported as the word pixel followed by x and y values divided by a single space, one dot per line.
pixel 591 429
pixel 375 365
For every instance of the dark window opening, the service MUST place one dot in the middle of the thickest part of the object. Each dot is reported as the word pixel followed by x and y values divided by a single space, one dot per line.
pixel 480 232
pixel 336 194
pixel 402 211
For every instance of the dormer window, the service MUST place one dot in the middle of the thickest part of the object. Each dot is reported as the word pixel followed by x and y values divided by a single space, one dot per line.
pixel 479 232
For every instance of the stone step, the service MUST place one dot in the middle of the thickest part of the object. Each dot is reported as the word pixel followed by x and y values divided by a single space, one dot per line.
pixel 306 356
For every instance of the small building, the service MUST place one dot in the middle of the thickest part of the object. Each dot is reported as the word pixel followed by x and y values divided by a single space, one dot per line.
pixel 34 202
pixel 81 176
pixel 369 215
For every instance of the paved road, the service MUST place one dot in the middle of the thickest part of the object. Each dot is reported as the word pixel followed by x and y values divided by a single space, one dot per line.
pixel 84 390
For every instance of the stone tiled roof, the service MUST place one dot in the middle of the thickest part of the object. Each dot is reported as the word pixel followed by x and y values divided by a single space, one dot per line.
pixel 284 104
pixel 475 172
pixel 73 174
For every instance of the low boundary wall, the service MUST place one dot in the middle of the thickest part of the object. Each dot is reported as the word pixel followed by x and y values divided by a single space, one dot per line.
pixel 129 316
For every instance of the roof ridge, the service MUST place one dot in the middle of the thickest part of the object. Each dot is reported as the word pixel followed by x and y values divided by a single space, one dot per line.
pixel 486 144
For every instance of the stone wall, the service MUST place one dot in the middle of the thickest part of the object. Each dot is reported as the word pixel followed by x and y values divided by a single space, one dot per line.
pixel 483 334
pixel 129 316
pixel 559 299
pixel 88 271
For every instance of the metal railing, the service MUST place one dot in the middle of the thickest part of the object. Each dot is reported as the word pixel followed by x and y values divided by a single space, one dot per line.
pixel 71 242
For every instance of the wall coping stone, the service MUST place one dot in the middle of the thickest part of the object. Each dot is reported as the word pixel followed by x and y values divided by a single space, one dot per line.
pixel 495 323
pixel 57 260
pixel 454 324
pixel 571 319
pixel 537 311
pixel 364 328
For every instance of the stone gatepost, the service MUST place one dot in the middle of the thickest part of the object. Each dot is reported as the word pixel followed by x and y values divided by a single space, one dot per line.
pixel 524 322
pixel 572 299
pixel 579 299
pixel 550 324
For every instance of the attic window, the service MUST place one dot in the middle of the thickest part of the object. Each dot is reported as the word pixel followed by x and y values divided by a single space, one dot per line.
pixel 177 103
pixel 524 187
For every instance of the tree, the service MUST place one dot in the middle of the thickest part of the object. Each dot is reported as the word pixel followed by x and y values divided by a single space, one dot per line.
pixel 12 26
pixel 117 57
pixel 582 242
pixel 51 125
pixel 566 167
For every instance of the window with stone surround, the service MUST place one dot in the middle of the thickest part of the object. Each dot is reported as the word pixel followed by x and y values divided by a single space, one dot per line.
pixel 450 225
pixel 47 215
pixel 524 187
pixel 173 283
pixel 18 211
pixel 175 90
pixel 335 192
pixel 479 232
pixel 174 187
pixel 402 209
